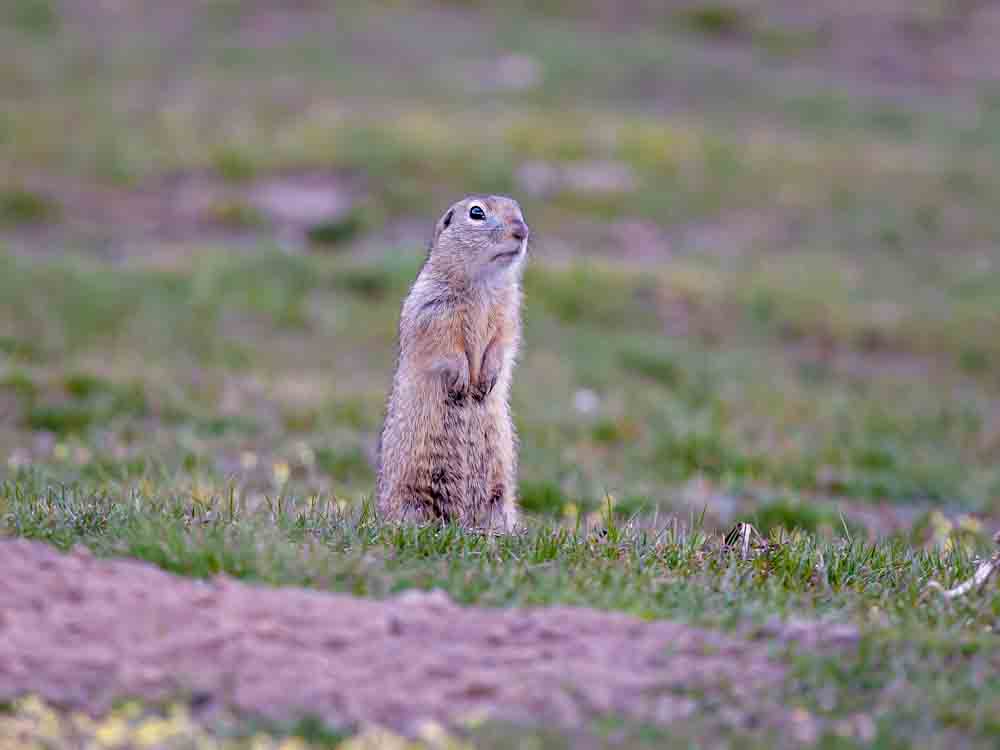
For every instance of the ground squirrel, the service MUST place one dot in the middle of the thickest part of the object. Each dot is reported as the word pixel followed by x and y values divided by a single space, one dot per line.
pixel 448 450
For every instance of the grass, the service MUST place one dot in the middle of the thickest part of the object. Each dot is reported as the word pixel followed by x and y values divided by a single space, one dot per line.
pixel 664 411
pixel 30 722
pixel 672 571
pixel 788 317
pixel 284 539
pixel 340 231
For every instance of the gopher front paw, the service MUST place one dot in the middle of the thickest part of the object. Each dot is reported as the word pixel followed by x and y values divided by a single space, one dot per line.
pixel 489 372
pixel 455 375
pixel 485 386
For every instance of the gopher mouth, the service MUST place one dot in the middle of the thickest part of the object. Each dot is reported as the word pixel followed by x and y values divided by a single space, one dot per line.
pixel 509 255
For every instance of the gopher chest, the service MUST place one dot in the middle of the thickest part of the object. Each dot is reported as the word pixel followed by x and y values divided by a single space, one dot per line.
pixel 481 327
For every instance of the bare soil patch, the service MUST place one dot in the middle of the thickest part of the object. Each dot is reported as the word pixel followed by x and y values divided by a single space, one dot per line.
pixel 81 632
pixel 194 206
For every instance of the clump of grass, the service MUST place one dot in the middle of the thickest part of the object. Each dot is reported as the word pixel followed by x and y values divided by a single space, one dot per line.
pixel 660 147
pixel 116 159
pixel 20 207
pixel 398 148
pixel 300 419
pixel 218 425
pixel 598 205
pixel 234 165
pixel 813 517
pixel 355 412
pixel 345 464
pixel 388 277
pixel 35 17
pixel 236 215
pixel 655 365
pixel 715 20
pixel 21 384
pixel 403 156
pixel 785 42
pixel 273 285
pixel 589 295
pixel 88 400
pixel 107 470
pixel 83 385
pixel 549 139
pixel 974 361
pixel 689 378
pixel 341 229
pixel 891 120
pixel 61 419
pixel 17 348
pixel 631 506
pixel 682 453
pixel 542 497
pixel 86 305
pixel 615 431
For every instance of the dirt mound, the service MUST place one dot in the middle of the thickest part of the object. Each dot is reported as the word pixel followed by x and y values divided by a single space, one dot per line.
pixel 81 632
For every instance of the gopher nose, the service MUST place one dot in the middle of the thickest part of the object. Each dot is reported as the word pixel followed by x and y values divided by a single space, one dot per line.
pixel 518 230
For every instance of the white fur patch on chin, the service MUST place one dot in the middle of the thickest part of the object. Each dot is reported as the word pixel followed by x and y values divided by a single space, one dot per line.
pixel 497 274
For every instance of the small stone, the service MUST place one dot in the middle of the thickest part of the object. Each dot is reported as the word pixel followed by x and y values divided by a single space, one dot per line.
pixel 538 178
pixel 600 177
pixel 435 599
pixel 585 401
pixel 518 72
pixel 299 203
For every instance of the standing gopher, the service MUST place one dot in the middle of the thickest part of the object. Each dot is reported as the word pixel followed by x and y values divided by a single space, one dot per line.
pixel 447 450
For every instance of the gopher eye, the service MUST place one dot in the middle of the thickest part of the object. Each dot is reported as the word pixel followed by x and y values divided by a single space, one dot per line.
pixel 477 214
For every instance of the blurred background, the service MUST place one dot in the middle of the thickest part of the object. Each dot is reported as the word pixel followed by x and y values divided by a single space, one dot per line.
pixel 765 273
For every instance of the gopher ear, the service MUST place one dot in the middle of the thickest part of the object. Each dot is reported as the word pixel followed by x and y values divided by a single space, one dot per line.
pixel 443 224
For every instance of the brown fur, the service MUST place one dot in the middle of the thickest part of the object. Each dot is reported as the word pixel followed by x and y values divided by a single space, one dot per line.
pixel 448 450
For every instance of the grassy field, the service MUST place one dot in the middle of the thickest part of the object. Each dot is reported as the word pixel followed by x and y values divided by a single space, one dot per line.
pixel 763 288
